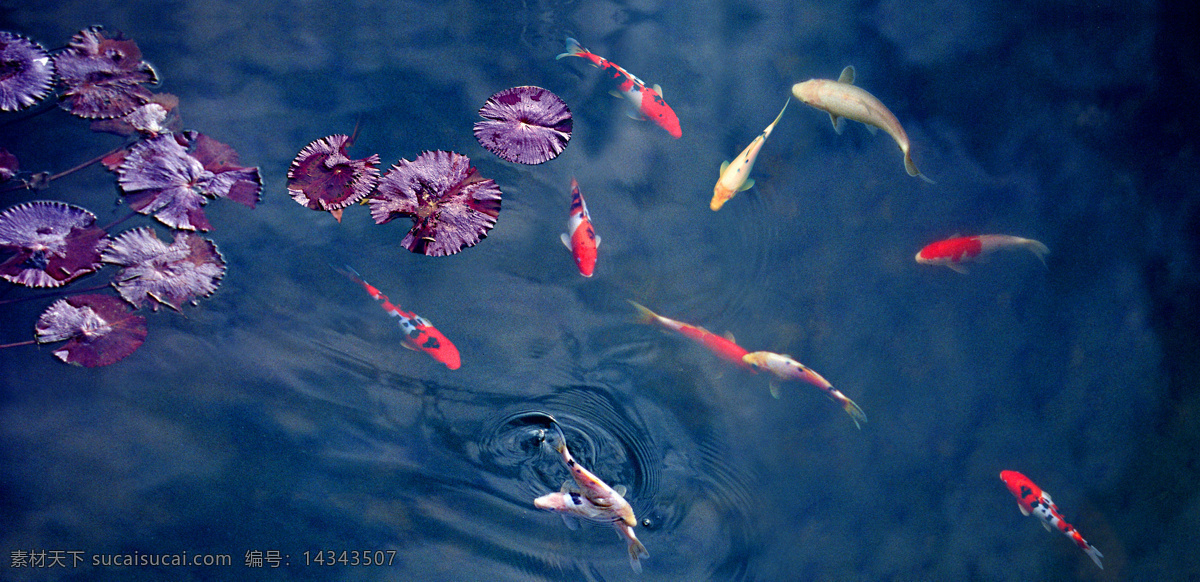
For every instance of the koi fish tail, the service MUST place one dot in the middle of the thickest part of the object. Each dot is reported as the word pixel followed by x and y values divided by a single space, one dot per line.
pixel 1095 555
pixel 1088 549
pixel 856 413
pixel 573 49
pixel 912 170
pixel 1038 249
pixel 636 552
pixel 644 314
pixel 348 271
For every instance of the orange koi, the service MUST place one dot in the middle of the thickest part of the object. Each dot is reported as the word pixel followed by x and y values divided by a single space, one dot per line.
pixel 1032 500
pixel 419 333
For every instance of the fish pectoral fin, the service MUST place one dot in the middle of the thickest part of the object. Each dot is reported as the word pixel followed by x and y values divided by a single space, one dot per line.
pixel 748 184
pixel 657 89
pixel 1024 511
pixel 566 241
pixel 724 167
pixel 837 123
pixel 729 336
pixel 634 115
pixel 620 489
pixel 957 268
pixel 617 94
pixel 571 523
pixel 871 128
pixel 847 75
pixel 597 240
pixel 774 389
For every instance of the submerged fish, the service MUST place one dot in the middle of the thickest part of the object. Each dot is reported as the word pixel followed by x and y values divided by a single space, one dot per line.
pixel 419 334
pixel 841 98
pixel 953 252
pixel 786 368
pixel 648 103
pixel 1032 500
pixel 594 500
pixel 724 347
pixel 580 237
pixel 735 175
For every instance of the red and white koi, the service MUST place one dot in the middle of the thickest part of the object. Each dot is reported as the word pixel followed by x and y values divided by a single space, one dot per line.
pixel 595 501
pixel 1032 500
pixel 841 98
pixel 724 347
pixel 419 333
pixel 581 240
pixel 786 368
pixel 735 175
pixel 953 252
pixel 648 102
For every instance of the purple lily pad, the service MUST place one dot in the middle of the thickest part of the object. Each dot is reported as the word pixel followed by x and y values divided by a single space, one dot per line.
pixel 159 177
pixel 323 177
pixel 527 125
pixel 52 243
pixel 186 270
pixel 450 204
pixel 26 72
pixel 101 328
pixel 103 76
pixel 240 184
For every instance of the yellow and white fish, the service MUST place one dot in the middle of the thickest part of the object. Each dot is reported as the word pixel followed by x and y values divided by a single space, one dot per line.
pixel 785 368
pixel 841 98
pixel 735 175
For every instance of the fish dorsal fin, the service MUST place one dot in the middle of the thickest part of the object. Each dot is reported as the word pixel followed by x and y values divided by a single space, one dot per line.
pixel 620 489
pixel 748 184
pixel 847 75
pixel 567 487
pixel 729 336
pixel 1046 496
pixel 724 166
pixel 657 89
pixel 566 241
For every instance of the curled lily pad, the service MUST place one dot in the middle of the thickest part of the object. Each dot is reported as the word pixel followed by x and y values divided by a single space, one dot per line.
pixel 103 75
pixel 527 125
pixel 160 177
pixel 101 329
pixel 51 243
pixel 323 177
pixel 26 72
pixel 450 204
pixel 157 116
pixel 186 270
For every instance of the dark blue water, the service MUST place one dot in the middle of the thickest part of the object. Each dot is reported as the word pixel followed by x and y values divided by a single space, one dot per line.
pixel 282 418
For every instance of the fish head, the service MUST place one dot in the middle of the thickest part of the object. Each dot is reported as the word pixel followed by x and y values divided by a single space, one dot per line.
pixel 721 195
pixel 808 91
pixel 1019 485
pixel 756 360
pixel 556 501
